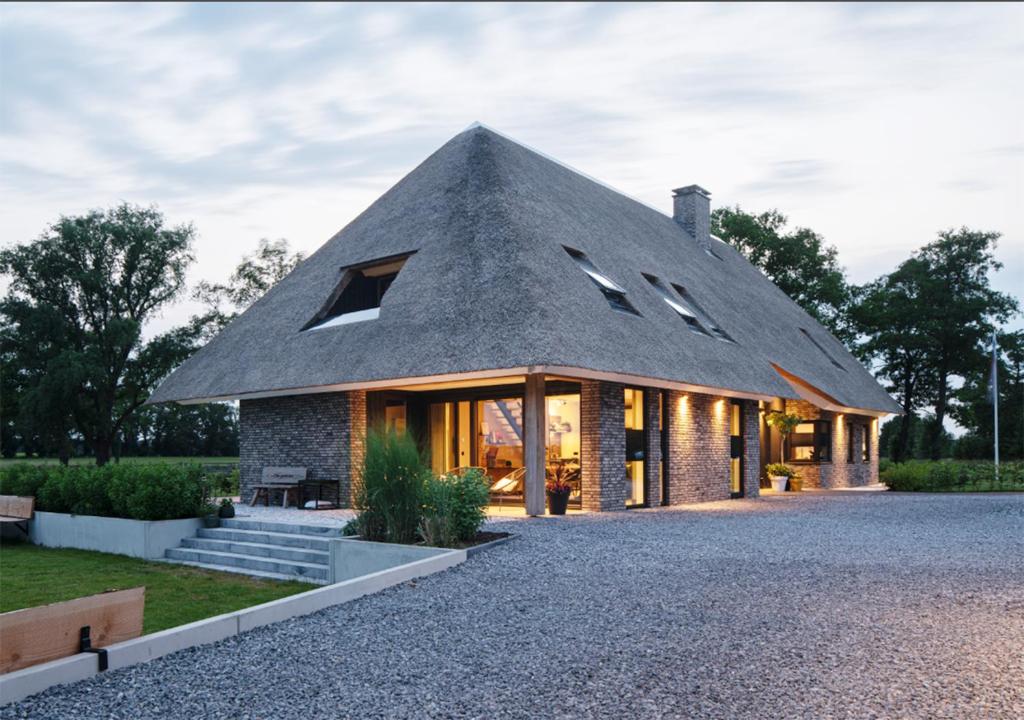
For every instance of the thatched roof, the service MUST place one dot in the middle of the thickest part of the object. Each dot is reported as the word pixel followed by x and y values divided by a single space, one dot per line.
pixel 491 286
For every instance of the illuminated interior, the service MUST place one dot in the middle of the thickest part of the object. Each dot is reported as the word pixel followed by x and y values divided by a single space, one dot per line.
pixel 736 459
pixel 634 400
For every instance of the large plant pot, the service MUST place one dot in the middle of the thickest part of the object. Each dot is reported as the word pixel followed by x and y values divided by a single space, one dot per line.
pixel 796 485
pixel 558 502
pixel 778 483
pixel 226 511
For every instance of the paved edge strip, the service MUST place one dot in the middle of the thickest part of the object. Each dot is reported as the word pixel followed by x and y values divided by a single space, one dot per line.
pixel 476 549
pixel 20 684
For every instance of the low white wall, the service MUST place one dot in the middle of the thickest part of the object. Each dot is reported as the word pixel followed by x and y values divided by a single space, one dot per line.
pixel 20 684
pixel 355 558
pixel 138 538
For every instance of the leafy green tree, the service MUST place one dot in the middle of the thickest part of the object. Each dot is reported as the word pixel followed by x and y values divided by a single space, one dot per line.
pixel 974 411
pixel 250 281
pixel 78 299
pixel 923 324
pixel 799 262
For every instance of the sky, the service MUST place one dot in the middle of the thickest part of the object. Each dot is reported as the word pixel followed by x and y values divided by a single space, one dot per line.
pixel 875 125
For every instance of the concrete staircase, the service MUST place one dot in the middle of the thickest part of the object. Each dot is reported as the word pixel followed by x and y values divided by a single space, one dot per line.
pixel 281 551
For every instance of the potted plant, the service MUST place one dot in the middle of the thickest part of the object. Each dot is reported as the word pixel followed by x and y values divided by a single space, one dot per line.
pixel 227 509
pixel 559 489
pixel 780 474
pixel 210 516
pixel 785 423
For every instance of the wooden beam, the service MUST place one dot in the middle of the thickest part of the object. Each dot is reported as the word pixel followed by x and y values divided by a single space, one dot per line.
pixel 535 428
pixel 50 632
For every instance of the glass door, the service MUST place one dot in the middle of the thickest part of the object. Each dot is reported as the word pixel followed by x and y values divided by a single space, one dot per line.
pixel 735 449
pixel 634 447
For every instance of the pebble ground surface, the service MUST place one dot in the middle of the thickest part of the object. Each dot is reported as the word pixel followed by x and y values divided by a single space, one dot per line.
pixel 823 605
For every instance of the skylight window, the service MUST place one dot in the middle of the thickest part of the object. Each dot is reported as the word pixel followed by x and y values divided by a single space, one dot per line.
pixel 613 292
pixel 358 296
pixel 676 304
pixel 716 329
pixel 822 349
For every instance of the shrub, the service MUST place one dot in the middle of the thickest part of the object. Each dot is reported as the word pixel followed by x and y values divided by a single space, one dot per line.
pixel 159 491
pixel 780 470
pixel 953 476
pixel 388 497
pixel 453 508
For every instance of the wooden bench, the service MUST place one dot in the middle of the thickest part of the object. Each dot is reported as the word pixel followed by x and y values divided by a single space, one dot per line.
pixel 285 479
pixel 50 632
pixel 17 510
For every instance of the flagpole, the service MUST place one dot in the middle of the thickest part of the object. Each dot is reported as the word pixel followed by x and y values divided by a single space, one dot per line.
pixel 995 400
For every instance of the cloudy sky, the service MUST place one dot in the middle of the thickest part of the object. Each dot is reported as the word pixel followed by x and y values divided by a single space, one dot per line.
pixel 876 125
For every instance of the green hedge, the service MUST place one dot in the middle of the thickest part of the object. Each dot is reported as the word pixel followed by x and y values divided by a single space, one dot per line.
pixel 953 476
pixel 158 491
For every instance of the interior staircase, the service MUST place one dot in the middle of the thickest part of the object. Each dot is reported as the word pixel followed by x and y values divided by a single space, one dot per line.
pixel 281 551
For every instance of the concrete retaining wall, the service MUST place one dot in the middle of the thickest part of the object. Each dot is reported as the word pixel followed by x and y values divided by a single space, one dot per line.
pixel 137 538
pixel 355 558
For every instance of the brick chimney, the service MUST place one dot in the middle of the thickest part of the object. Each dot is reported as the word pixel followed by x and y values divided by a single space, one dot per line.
pixel 691 208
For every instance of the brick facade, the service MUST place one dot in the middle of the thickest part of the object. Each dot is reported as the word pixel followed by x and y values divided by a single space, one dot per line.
pixel 751 449
pixel 324 433
pixel 838 473
pixel 698 448
pixel 603 445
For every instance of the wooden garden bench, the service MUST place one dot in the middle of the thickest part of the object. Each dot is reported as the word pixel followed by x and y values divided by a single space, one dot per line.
pixel 17 510
pixel 285 479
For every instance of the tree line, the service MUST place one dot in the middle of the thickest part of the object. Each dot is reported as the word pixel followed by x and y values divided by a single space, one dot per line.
pixel 77 367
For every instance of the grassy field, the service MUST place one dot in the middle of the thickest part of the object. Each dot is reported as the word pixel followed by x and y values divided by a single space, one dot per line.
pixel 175 594
pixel 4 462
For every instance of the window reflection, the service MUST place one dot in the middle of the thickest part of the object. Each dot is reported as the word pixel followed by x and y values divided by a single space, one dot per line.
pixel 634 401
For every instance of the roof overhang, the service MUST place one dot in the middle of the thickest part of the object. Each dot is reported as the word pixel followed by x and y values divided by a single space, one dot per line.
pixel 487 377
pixel 820 398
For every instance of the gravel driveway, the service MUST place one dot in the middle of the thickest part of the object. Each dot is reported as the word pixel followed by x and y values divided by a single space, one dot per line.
pixel 826 605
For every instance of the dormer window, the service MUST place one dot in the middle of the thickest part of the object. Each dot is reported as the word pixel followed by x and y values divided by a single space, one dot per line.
pixel 358 295
pixel 612 291
pixel 676 304
pixel 716 330
pixel 821 348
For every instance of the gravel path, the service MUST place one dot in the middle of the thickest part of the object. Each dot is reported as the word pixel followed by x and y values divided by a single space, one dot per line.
pixel 827 605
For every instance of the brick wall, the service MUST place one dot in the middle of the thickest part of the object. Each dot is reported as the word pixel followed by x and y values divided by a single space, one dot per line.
pixel 698 448
pixel 751 449
pixel 603 445
pixel 652 451
pixel 323 433
pixel 839 473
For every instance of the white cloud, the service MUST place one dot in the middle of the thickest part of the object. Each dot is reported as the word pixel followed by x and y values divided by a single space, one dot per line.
pixel 876 125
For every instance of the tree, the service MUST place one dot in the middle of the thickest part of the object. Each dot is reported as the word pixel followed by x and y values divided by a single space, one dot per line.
pixel 973 409
pixel 923 324
pixel 73 317
pixel 798 262
pixel 250 281
pixel 958 310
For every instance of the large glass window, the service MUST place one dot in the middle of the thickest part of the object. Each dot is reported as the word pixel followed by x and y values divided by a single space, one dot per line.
pixel 811 441
pixel 500 437
pixel 735 449
pixel 563 442
pixel 634 446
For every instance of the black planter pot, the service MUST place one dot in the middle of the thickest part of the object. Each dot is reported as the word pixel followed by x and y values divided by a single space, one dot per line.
pixel 558 502
pixel 226 511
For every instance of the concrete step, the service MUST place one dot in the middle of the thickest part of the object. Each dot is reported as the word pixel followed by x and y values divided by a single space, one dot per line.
pixel 277 552
pixel 260 537
pixel 244 571
pixel 295 569
pixel 278 527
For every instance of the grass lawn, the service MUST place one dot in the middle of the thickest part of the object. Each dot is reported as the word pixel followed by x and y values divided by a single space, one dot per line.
pixel 6 462
pixel 175 594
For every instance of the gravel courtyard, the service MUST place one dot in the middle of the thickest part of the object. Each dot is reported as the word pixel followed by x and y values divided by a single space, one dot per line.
pixel 826 605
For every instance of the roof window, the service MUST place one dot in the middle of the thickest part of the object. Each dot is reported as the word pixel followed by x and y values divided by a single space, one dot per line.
pixel 612 291
pixel 822 349
pixel 716 330
pixel 688 316
pixel 358 296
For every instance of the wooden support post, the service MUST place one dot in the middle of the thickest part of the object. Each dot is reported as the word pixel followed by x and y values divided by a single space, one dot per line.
pixel 535 430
